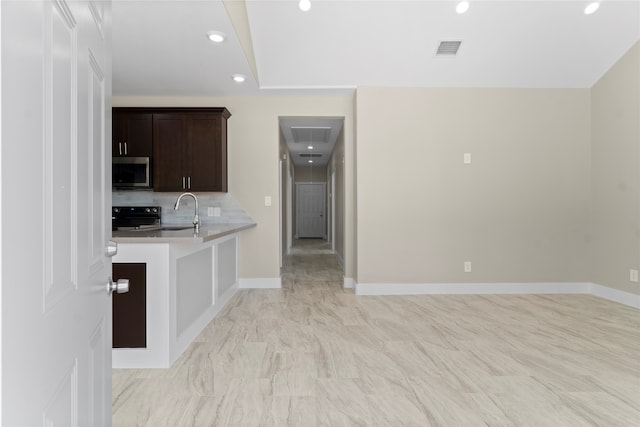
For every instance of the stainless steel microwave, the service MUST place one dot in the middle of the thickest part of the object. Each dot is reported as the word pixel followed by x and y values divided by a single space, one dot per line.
pixel 131 172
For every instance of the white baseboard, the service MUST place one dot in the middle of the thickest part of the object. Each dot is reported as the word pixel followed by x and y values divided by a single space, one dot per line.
pixel 615 295
pixel 261 283
pixel 348 283
pixel 470 288
pixel 225 297
pixel 611 294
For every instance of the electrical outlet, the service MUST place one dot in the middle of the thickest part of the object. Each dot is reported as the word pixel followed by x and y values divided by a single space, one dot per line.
pixel 467 158
pixel 633 275
pixel 267 200
pixel 467 266
pixel 210 211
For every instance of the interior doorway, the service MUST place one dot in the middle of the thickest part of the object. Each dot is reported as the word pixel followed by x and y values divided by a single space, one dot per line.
pixel 312 181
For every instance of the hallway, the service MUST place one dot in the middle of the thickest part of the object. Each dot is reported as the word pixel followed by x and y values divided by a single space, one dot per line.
pixel 314 354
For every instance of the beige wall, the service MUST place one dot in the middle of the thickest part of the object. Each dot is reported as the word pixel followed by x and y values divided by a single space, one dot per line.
pixel 519 212
pixel 542 162
pixel 253 161
pixel 615 165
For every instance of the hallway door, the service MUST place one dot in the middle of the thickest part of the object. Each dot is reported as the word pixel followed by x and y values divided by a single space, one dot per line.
pixel 311 210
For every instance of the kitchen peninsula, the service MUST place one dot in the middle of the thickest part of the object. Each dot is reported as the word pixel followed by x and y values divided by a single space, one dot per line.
pixel 189 277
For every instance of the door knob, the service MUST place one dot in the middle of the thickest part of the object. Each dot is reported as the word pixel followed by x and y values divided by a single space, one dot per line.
pixel 120 287
pixel 112 248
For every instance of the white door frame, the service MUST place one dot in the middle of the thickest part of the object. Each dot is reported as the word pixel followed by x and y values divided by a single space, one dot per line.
pixel 280 243
pixel 333 211
pixel 289 211
pixel 285 211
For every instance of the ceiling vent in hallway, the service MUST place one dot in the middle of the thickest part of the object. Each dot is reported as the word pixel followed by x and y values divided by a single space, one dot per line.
pixel 448 48
pixel 306 135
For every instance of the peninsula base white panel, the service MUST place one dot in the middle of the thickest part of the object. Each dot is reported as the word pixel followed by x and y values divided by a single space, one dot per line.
pixel 187 286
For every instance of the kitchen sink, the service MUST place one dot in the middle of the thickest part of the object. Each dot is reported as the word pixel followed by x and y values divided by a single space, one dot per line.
pixel 175 227
pixel 157 228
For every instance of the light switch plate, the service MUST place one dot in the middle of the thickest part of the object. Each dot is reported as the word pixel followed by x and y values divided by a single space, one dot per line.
pixel 467 158
pixel 267 200
pixel 633 275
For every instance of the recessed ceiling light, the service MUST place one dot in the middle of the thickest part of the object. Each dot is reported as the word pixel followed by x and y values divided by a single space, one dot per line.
pixel 591 7
pixel 216 36
pixel 239 78
pixel 310 147
pixel 304 5
pixel 310 161
pixel 462 7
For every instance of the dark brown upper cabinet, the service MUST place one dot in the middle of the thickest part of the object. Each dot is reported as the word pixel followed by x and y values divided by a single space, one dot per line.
pixel 132 133
pixel 190 149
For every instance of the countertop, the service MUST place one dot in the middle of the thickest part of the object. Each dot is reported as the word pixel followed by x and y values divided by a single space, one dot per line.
pixel 207 233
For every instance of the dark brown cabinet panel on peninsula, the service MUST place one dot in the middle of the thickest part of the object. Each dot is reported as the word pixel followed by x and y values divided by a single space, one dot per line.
pixel 132 133
pixel 130 309
pixel 190 149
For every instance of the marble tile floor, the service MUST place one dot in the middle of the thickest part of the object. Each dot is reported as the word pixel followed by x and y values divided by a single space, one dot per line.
pixel 314 354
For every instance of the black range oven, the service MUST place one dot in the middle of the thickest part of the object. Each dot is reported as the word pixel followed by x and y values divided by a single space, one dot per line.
pixel 135 217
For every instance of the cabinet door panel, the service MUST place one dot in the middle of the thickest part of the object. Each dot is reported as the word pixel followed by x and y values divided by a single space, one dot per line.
pixel 138 135
pixel 130 309
pixel 169 136
pixel 117 136
pixel 203 152
pixel 132 134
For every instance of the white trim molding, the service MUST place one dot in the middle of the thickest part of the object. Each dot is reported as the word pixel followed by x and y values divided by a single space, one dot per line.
pixel 611 294
pixel 261 283
pixel 348 283
pixel 616 295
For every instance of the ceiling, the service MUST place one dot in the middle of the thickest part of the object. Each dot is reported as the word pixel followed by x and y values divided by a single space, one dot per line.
pixel 160 47
pixel 310 139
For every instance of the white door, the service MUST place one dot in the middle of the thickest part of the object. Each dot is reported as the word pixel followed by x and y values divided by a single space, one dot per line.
pixel 311 210
pixel 55 126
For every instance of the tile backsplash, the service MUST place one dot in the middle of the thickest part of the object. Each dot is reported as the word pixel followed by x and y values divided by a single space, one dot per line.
pixel 230 210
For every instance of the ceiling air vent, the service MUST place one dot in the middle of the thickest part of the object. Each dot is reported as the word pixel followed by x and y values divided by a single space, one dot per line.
pixel 448 47
pixel 310 155
pixel 308 134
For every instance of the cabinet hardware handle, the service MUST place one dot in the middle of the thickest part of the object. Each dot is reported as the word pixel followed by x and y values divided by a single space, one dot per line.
pixel 183 186
pixel 120 148
pixel 125 148
pixel 189 181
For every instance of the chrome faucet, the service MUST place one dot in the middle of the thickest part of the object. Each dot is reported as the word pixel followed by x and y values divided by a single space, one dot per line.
pixel 196 221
